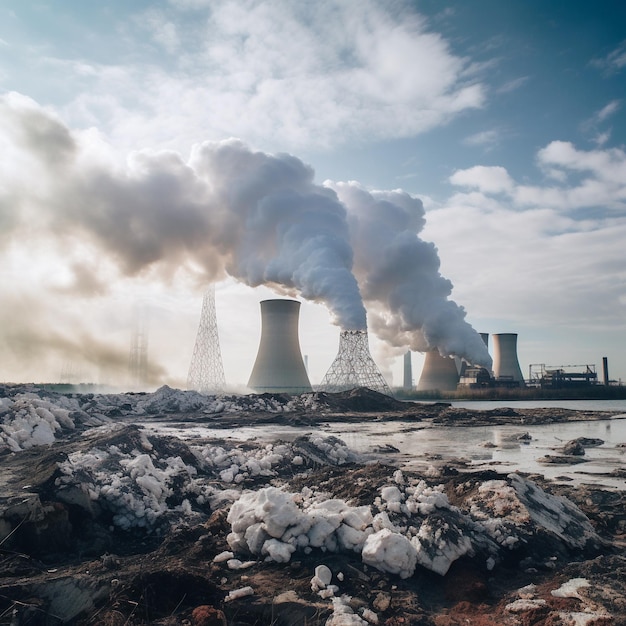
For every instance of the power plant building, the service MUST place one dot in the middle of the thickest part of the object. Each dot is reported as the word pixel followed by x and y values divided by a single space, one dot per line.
pixel 279 366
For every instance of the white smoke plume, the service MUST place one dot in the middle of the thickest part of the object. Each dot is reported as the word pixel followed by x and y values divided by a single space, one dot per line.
pixel 407 298
pixel 230 210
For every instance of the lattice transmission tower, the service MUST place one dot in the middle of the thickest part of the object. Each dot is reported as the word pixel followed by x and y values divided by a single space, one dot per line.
pixel 354 366
pixel 206 371
pixel 138 357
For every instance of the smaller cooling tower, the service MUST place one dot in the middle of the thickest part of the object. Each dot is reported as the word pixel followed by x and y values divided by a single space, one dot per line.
pixel 279 367
pixel 505 364
pixel 439 372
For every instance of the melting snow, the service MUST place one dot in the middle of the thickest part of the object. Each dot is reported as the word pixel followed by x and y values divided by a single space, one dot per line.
pixel 570 588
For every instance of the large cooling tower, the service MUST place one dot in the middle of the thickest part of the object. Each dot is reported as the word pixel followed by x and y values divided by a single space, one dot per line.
pixel 279 367
pixel 505 363
pixel 439 372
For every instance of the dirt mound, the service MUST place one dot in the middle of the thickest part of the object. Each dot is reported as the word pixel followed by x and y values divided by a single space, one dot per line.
pixel 360 400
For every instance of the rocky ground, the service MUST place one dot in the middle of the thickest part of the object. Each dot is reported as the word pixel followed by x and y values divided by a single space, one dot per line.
pixel 105 522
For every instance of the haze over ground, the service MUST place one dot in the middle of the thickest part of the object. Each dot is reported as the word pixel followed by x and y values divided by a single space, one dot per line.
pixel 506 120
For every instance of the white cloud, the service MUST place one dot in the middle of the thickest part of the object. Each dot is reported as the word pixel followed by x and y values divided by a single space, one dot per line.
pixel 527 256
pixel 162 30
pixel 613 62
pixel 608 110
pixel 294 74
pixel 608 165
pixel 531 267
pixel 602 138
pixel 600 174
pixel 190 4
pixel 485 138
pixel 494 179
pixel 513 85
pixel 591 125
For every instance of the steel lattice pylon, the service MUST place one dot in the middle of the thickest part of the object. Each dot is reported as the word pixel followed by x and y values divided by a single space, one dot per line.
pixel 206 371
pixel 138 358
pixel 354 366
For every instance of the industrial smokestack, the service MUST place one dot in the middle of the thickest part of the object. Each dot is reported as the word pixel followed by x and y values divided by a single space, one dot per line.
pixel 505 363
pixel 605 370
pixel 408 371
pixel 439 373
pixel 279 367
pixel 485 338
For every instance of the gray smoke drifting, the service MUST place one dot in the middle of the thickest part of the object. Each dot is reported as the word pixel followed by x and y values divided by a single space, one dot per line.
pixel 233 211
pixel 28 330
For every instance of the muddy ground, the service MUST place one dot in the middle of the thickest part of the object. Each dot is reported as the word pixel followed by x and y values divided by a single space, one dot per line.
pixel 61 563
pixel 363 404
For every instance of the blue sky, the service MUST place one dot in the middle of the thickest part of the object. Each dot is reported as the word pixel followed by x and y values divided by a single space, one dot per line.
pixel 506 119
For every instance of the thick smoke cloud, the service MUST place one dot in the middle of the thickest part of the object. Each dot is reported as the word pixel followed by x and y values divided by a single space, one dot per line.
pixel 233 211
pixel 257 217
pixel 279 228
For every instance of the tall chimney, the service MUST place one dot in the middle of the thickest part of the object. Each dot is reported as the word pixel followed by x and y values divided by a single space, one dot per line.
pixel 505 363
pixel 279 367
pixel 439 372
pixel 485 338
pixel 408 371
pixel 605 370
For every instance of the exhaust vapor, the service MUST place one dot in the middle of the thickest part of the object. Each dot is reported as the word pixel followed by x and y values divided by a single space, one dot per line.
pixel 407 298
pixel 231 210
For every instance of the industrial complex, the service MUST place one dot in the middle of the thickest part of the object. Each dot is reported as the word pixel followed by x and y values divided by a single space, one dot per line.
pixel 443 373
pixel 280 367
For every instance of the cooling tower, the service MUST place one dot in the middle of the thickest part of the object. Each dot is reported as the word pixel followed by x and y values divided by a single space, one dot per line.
pixel 505 363
pixel 439 372
pixel 279 367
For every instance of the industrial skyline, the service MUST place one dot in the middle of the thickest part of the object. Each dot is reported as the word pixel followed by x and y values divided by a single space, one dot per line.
pixel 503 123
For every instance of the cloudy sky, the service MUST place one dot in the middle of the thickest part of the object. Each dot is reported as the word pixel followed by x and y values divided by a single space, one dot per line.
pixel 432 165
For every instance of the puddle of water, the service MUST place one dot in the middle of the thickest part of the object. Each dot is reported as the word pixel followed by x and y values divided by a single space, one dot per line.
pixel 417 445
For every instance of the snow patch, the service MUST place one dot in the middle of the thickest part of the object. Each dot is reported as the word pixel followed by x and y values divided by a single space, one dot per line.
pixel 390 552
pixel 343 615
pixel 570 588
pixel 235 594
